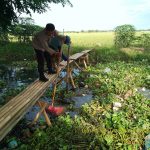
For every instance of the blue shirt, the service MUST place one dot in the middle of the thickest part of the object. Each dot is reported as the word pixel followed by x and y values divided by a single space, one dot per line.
pixel 55 43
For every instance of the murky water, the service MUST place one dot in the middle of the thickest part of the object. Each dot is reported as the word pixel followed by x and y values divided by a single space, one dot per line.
pixel 13 77
pixel 83 96
pixel 145 92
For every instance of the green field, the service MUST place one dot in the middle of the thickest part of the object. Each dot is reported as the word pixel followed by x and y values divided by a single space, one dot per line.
pixel 93 39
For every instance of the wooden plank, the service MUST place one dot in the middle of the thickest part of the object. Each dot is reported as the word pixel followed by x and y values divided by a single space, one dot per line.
pixel 32 90
pixel 14 99
pixel 7 128
pixel 24 100
pixel 22 110
pixel 10 105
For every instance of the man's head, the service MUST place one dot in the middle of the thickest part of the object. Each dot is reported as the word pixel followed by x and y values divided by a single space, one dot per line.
pixel 50 28
pixel 67 40
pixel 56 33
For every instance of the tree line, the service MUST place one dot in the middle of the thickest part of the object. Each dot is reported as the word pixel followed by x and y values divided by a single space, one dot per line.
pixel 11 9
pixel 9 17
pixel 21 32
pixel 24 30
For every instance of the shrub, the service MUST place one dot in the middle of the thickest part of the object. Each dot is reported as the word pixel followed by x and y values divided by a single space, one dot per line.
pixel 124 35
pixel 145 41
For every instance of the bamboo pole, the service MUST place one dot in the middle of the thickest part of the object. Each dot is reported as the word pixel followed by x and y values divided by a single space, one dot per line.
pixel 54 93
pixel 39 113
pixel 58 82
pixel 87 58
pixel 45 114
pixel 55 84
pixel 71 79
pixel 78 66
pixel 67 81
pixel 84 62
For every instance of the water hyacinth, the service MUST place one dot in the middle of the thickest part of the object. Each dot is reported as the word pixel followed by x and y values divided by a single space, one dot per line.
pixel 107 70
pixel 117 104
pixel 147 142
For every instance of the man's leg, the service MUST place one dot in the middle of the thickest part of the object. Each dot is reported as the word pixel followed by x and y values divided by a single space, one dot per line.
pixel 40 61
pixel 48 59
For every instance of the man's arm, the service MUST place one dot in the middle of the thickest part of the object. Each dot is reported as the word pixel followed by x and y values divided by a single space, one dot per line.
pixel 47 48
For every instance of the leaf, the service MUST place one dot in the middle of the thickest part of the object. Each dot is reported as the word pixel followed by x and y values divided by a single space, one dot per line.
pixel 109 138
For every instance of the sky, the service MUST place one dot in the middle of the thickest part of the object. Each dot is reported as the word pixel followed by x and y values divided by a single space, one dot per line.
pixel 96 15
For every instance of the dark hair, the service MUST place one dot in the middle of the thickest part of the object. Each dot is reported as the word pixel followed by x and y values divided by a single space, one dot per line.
pixel 68 40
pixel 50 27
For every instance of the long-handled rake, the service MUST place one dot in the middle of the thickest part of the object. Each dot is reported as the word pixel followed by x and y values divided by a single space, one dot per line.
pixel 56 110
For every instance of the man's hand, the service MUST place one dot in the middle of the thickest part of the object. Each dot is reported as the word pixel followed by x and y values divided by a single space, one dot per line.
pixel 57 54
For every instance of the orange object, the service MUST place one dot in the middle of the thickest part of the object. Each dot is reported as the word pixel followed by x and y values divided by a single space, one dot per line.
pixel 55 110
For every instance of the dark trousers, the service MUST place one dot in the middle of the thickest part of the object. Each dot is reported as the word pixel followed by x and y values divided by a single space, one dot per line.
pixel 65 58
pixel 41 57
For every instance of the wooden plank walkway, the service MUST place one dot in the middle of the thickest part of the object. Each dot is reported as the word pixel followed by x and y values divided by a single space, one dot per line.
pixel 15 109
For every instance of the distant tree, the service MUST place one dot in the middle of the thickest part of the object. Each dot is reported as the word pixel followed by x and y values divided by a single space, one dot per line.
pixel 28 27
pixel 26 21
pixel 3 37
pixel 24 30
pixel 124 35
pixel 145 41
pixel 11 8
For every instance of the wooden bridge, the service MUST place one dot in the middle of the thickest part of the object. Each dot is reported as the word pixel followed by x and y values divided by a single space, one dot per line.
pixel 15 109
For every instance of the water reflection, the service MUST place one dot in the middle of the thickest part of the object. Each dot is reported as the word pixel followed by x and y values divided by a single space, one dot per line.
pixel 144 91
pixel 12 77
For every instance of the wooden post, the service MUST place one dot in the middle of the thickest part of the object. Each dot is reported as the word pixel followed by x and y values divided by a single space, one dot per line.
pixel 42 105
pixel 58 82
pixel 78 66
pixel 71 79
pixel 53 94
pixel 55 82
pixel 45 114
pixel 87 58
pixel 84 62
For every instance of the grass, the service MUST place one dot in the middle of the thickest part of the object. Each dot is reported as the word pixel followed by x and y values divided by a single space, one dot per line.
pixel 16 51
pixel 102 39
